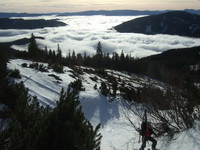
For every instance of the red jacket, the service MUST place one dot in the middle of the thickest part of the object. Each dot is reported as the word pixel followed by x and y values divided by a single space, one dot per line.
pixel 149 131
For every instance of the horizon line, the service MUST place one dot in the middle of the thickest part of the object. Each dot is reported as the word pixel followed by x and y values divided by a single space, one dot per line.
pixel 101 10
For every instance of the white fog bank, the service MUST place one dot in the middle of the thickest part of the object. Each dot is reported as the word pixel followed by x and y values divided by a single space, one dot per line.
pixel 82 34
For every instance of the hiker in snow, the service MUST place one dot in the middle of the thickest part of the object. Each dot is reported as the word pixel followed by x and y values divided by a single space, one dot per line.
pixel 146 136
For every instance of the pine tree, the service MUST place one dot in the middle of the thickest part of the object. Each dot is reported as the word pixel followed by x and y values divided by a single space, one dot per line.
pixel 122 61
pixel 85 62
pixel 67 127
pixel 99 50
pixel 59 53
pixel 77 85
pixel 104 89
pixel 114 88
pixel 33 50
pixel 33 127
pixel 79 59
pixel 24 122
pixel 99 56
pixel 3 74
pixel 73 58
pixel 3 64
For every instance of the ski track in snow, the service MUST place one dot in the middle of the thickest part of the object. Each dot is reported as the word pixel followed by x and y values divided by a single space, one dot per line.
pixel 115 129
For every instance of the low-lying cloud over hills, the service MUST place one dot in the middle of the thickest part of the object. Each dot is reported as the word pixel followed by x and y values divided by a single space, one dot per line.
pixel 84 32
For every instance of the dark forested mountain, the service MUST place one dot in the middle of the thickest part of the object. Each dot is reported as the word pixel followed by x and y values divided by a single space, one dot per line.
pixel 174 23
pixel 7 23
pixel 173 64
pixel 185 56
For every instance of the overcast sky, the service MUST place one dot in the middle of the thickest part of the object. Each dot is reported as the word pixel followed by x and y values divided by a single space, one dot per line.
pixel 46 6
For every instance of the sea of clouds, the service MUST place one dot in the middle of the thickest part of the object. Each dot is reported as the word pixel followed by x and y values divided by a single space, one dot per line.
pixel 82 34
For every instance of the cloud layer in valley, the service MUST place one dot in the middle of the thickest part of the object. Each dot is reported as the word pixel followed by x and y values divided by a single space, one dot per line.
pixel 84 32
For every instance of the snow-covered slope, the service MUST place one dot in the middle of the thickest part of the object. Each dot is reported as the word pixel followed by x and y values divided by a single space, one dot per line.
pixel 116 130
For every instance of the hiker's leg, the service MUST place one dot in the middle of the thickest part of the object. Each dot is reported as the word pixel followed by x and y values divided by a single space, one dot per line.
pixel 154 142
pixel 143 143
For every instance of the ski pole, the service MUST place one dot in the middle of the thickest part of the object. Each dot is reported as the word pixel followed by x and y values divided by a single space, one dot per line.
pixel 139 139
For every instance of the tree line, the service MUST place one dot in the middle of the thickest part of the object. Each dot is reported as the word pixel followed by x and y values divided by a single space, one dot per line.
pixel 165 67
pixel 98 60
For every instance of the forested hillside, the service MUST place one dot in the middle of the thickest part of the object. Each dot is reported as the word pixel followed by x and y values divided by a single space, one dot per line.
pixel 173 23
pixel 7 23
pixel 172 65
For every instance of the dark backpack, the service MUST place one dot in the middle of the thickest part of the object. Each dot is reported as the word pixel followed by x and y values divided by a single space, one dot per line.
pixel 143 128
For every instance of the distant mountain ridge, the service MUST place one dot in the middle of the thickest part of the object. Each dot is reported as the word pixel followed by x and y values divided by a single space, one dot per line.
pixel 97 12
pixel 113 13
pixel 7 23
pixel 173 23
pixel 124 12
pixel 9 15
